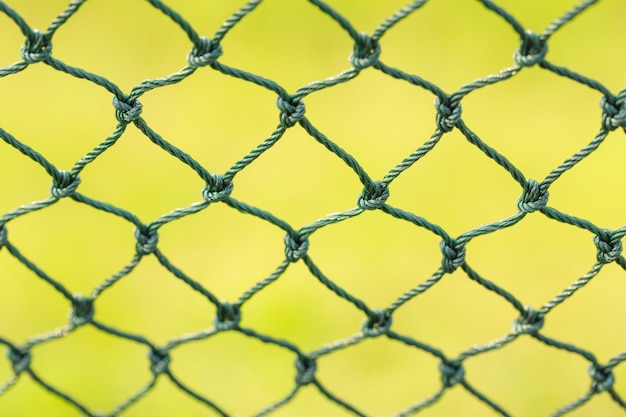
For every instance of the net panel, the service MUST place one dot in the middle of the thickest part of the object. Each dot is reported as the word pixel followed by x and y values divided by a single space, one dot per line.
pixel 220 189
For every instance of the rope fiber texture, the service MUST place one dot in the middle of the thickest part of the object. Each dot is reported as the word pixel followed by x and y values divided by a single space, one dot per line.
pixel 205 54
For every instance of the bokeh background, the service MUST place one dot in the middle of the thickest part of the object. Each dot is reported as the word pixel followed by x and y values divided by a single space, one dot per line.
pixel 536 119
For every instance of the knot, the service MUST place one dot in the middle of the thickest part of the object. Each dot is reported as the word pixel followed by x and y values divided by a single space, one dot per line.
pixel 306 367
pixel 533 197
pixel 205 53
pixel 451 372
pixel 377 323
pixel 82 310
pixel 529 322
pixel 159 360
pixel 3 235
pixel 218 191
pixel 453 254
pixel 366 52
pixel 37 48
pixel 20 359
pixel 613 111
pixel 448 114
pixel 296 247
pixel 146 241
pixel 126 110
pixel 602 377
pixel 291 110
pixel 609 247
pixel 228 316
pixel 64 184
pixel 532 49
pixel 373 196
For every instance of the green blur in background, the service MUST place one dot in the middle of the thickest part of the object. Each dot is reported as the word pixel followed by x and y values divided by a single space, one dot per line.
pixel 536 120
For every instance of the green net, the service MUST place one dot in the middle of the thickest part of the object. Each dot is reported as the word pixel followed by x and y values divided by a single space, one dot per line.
pixel 220 188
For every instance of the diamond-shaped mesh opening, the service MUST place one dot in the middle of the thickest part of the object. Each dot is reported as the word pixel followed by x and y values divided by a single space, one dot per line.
pixel 29 398
pixel 571 50
pixel 519 367
pixel 159 184
pixel 216 133
pixel 31 184
pixel 588 189
pixel 587 319
pixel 393 254
pixel 158 297
pixel 26 295
pixel 466 54
pixel 298 307
pixel 146 53
pixel 368 16
pixel 458 303
pixel 293 188
pixel 539 142
pixel 457 402
pixel 121 366
pixel 227 242
pixel 264 371
pixel 379 364
pixel 350 114
pixel 60 116
pixel 455 186
pixel 168 399
pixel 306 46
pixel 308 402
pixel 501 257
pixel 79 232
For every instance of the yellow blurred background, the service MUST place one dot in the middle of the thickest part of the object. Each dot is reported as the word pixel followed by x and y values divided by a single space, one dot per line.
pixel 536 120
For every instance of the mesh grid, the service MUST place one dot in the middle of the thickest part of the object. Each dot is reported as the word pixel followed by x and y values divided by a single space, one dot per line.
pixel 205 55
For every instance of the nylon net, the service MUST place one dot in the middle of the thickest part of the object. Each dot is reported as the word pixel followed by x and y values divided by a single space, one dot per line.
pixel 207 55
